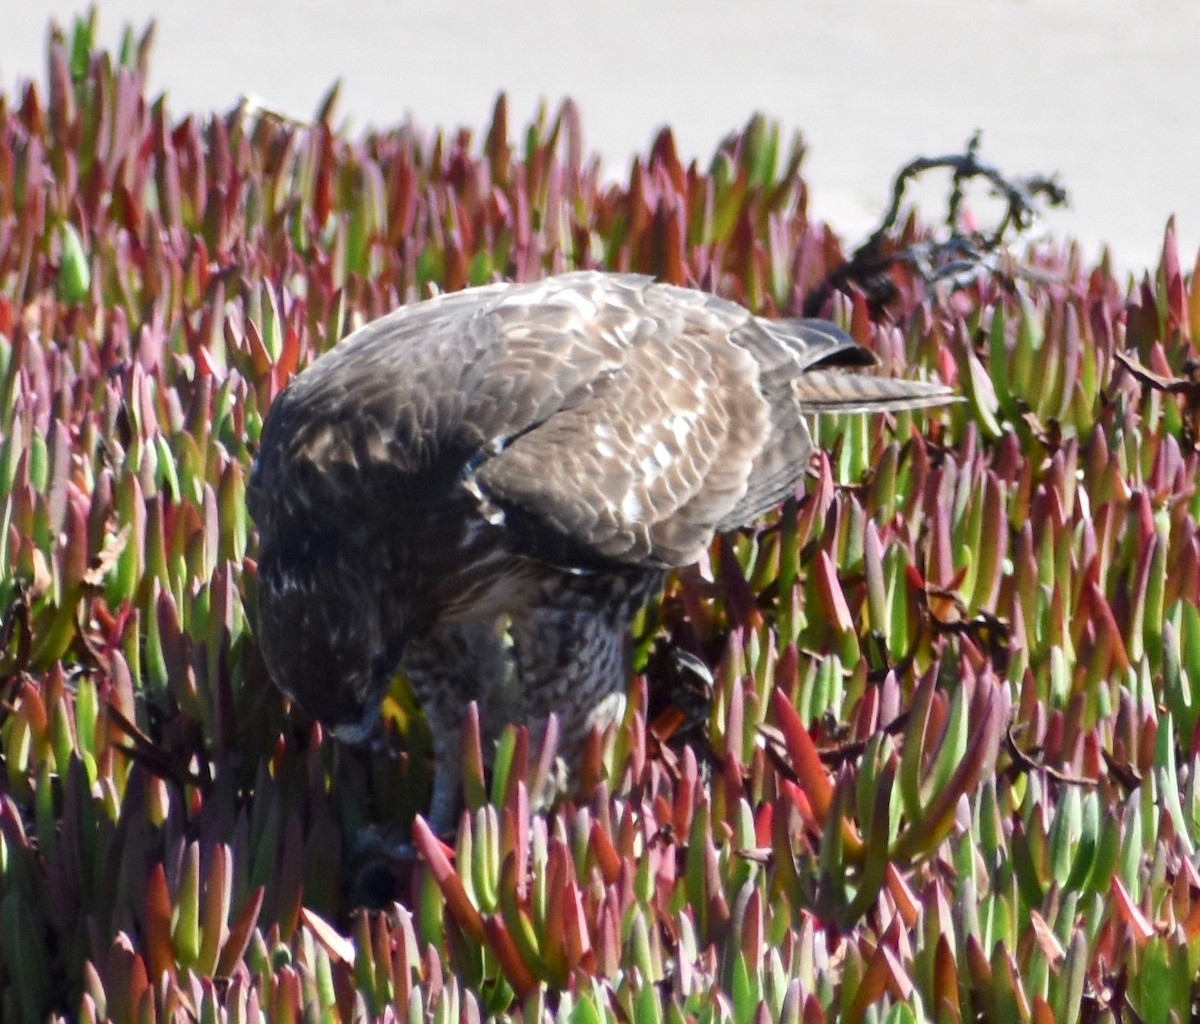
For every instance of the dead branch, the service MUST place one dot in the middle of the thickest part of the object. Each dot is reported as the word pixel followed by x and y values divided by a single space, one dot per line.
pixel 961 257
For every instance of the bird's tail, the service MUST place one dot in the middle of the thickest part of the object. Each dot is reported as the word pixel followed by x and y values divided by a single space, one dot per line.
pixel 833 392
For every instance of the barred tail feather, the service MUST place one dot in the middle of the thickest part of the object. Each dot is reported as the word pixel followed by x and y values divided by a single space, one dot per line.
pixel 818 391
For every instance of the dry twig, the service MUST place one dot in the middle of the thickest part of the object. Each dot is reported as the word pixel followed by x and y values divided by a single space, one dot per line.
pixel 965 253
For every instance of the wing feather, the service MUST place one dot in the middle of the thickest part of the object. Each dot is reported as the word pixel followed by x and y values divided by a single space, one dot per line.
pixel 649 457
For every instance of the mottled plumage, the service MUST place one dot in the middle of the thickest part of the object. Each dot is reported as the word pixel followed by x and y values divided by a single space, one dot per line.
pixel 482 489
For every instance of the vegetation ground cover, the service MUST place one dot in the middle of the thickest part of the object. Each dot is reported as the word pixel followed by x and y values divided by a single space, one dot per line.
pixel 946 766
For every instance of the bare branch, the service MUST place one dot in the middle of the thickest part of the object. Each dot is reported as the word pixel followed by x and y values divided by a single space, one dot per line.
pixel 964 254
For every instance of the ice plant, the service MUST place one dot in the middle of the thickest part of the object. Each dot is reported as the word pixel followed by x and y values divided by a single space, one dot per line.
pixel 922 745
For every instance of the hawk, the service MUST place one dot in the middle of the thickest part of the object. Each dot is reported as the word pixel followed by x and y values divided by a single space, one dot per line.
pixel 482 489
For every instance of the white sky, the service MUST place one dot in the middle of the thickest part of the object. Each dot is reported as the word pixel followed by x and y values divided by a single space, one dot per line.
pixel 1106 92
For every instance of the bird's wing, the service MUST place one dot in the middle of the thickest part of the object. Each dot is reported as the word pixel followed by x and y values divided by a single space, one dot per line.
pixel 644 466
pixel 650 448
pixel 693 422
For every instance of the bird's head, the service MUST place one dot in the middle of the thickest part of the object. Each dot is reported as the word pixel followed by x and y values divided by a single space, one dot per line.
pixel 327 642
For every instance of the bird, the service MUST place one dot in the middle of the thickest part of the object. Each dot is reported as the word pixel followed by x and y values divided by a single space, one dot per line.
pixel 482 489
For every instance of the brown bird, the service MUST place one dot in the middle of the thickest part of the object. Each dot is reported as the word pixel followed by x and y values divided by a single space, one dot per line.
pixel 482 489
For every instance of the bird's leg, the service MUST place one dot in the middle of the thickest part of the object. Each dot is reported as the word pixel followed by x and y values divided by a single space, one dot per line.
pixel 445 801
pixel 573 655
pixel 573 664
pixel 450 667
